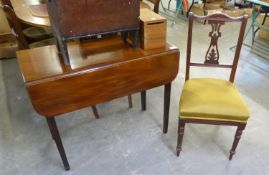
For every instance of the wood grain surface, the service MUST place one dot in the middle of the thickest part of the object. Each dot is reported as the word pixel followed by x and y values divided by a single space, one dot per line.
pixel 100 71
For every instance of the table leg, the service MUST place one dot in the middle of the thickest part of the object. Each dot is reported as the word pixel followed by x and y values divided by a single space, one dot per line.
pixel 95 112
pixel 57 138
pixel 143 100
pixel 167 93
pixel 130 101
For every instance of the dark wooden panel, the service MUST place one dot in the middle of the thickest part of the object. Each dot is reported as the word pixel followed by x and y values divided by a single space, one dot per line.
pixel 84 17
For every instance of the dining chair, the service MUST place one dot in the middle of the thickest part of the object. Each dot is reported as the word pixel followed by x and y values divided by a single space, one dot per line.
pixel 18 31
pixel 31 32
pixel 156 4
pixel 210 100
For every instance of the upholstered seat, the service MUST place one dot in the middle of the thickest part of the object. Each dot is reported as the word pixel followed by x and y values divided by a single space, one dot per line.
pixel 212 99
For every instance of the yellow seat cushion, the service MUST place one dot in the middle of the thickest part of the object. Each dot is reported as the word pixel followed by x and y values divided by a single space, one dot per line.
pixel 212 99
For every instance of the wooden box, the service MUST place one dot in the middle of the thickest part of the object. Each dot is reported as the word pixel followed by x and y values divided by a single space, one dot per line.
pixel 84 18
pixel 152 30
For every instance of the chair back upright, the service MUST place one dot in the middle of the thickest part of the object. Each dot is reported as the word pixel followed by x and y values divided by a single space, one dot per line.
pixel 16 26
pixel 212 55
pixel 7 2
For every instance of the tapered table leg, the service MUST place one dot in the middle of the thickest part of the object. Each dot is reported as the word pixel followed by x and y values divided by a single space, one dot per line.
pixel 130 101
pixel 167 93
pixel 95 112
pixel 143 100
pixel 56 136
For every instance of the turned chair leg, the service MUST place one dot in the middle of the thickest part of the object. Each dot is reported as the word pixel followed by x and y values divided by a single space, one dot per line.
pixel 130 101
pixel 95 112
pixel 57 138
pixel 143 100
pixel 237 137
pixel 181 128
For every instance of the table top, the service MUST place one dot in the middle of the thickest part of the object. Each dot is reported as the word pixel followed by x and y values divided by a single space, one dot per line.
pixel 100 70
pixel 21 8
pixel 23 12
pixel 258 2
pixel 91 55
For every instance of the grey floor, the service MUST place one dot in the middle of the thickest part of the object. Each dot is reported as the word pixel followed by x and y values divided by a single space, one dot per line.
pixel 130 142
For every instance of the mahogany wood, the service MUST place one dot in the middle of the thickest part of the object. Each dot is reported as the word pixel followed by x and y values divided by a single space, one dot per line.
pixel 100 70
pixel 212 60
pixel 216 20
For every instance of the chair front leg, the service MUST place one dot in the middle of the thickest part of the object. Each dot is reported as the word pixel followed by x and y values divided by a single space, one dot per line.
pixel 181 128
pixel 237 137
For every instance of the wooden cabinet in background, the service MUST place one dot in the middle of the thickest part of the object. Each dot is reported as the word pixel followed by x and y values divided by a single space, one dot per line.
pixel 82 19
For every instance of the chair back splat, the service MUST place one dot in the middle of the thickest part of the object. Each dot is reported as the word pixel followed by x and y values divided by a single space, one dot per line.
pixel 7 2
pixel 212 56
